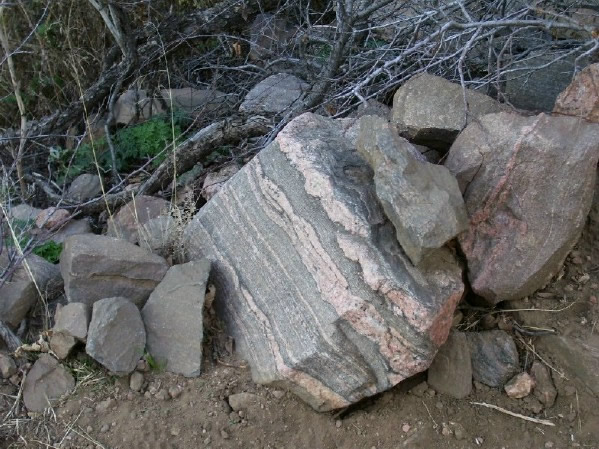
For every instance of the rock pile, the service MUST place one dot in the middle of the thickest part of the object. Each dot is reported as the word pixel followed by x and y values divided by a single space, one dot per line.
pixel 338 253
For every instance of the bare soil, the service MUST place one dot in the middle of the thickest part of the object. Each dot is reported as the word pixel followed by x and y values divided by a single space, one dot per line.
pixel 410 415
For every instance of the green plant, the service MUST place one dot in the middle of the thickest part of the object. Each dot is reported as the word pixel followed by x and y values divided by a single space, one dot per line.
pixel 50 251
pixel 155 365
pixel 133 145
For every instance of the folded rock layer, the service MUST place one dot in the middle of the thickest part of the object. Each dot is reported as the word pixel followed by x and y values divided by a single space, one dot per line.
pixel 310 279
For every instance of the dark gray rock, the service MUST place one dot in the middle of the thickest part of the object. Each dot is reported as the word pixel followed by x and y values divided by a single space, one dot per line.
pixel 275 94
pixel 46 382
pixel 173 318
pixel 116 337
pixel 422 200
pixel 96 267
pixel 494 357
pixel 429 110
pixel 309 277
pixel 528 185
pixel 451 370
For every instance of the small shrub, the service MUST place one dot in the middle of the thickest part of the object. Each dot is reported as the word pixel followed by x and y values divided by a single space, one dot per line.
pixel 50 251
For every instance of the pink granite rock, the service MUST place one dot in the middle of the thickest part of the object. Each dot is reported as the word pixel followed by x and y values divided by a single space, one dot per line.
pixel 581 97
pixel 528 185
pixel 310 280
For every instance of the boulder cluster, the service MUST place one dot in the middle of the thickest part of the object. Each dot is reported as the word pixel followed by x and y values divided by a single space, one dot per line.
pixel 339 253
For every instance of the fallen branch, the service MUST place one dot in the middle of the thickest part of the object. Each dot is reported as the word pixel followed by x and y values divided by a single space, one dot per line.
pixel 545 422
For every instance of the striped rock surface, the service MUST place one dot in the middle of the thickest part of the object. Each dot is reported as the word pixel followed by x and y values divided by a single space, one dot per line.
pixel 310 279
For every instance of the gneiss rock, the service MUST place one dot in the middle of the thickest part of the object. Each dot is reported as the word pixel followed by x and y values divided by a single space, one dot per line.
pixel 494 357
pixel 19 293
pixel 96 267
pixel 45 383
pixel 581 97
pixel 451 370
pixel 116 336
pixel 422 200
pixel 544 389
pixel 173 318
pixel 126 223
pixel 519 386
pixel 528 184
pixel 430 110
pixel 309 277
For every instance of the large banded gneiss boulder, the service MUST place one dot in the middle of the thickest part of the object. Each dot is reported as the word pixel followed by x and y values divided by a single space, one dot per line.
pixel 310 279
pixel 528 185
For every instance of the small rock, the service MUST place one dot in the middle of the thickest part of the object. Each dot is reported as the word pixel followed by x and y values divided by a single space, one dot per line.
pixel 73 319
pixel 544 389
pixel 104 428
pixel 116 337
pixel 175 391
pixel 234 417
pixel 175 431
pixel 162 394
pixel 519 386
pixel 446 431
pixel 405 428
pixel 458 431
pixel 142 366
pixel 51 218
pixel 84 187
pixel 420 389
pixel 8 366
pixel 45 383
pixel 224 434
pixel 338 424
pixel 278 394
pixel 61 343
pixel 451 370
pixel 494 357
pixel 105 405
pixel 136 381
pixel 241 401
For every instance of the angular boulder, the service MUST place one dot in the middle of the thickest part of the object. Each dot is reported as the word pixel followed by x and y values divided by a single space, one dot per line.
pixel 126 223
pixel 73 319
pixel 309 277
pixel 47 382
pixel 96 267
pixel 528 185
pixel 20 292
pixel 173 318
pixel 116 337
pixel 84 187
pixel 581 97
pixel 274 95
pixel 422 200
pixel 429 110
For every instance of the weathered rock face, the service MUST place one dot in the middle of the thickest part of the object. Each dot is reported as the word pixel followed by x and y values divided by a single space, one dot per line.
pixel 20 293
pixel 96 267
pixel 422 200
pixel 274 95
pixel 310 280
pixel 45 383
pixel 451 370
pixel 173 318
pixel 581 97
pixel 429 110
pixel 494 357
pixel 116 336
pixel 528 185
pixel 125 224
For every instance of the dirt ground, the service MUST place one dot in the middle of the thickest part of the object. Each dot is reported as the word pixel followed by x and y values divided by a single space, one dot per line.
pixel 104 413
